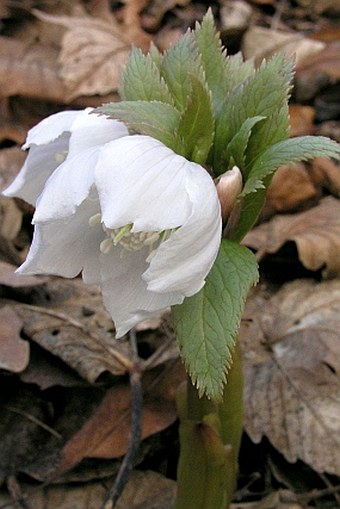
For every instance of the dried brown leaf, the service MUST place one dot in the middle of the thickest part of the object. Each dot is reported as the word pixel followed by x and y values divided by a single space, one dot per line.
pixel 316 233
pixel 291 357
pixel 22 426
pixel 282 499
pixel 11 160
pixel 95 424
pixel 260 43
pixel 92 54
pixel 106 433
pixel 76 328
pixel 326 173
pixel 144 490
pixel 11 218
pixel 9 278
pixel 148 490
pixel 301 119
pixel 14 351
pixel 316 71
pixel 45 370
pixel 290 189
pixel 25 72
pixel 321 6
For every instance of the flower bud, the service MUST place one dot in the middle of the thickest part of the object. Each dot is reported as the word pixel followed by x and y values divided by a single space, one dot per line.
pixel 228 188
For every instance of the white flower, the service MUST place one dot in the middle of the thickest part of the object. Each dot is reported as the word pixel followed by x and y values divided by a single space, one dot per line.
pixel 133 216
pixel 55 138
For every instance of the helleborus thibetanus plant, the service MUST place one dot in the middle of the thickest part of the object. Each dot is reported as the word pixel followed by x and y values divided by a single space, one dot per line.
pixel 126 194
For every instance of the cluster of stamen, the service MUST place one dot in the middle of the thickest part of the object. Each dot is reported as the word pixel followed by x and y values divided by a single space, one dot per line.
pixel 129 241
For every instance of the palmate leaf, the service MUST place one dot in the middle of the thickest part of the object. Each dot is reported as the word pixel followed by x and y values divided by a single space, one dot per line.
pixel 146 118
pixel 206 324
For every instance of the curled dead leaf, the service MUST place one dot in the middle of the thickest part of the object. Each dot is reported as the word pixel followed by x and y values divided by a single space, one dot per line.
pixel 92 54
pixel 316 233
pixel 291 358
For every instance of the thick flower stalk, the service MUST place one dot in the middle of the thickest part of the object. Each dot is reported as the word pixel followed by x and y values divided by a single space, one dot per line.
pixel 126 211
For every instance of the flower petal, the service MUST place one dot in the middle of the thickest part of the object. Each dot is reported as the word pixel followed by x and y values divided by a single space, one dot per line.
pixel 50 128
pixel 182 262
pixel 39 165
pixel 55 138
pixel 67 187
pixel 124 292
pixel 66 247
pixel 90 130
pixel 141 181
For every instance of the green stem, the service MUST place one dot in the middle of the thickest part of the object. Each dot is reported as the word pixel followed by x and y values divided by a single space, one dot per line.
pixel 210 436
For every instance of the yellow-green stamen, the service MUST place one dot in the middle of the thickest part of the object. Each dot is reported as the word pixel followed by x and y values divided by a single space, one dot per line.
pixel 130 241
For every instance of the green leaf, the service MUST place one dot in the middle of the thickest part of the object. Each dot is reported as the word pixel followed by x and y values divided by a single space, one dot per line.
pixel 263 94
pixel 179 63
pixel 196 127
pixel 265 134
pixel 213 57
pixel 251 206
pixel 286 152
pixel 141 79
pixel 206 324
pixel 235 151
pixel 156 119
pixel 222 73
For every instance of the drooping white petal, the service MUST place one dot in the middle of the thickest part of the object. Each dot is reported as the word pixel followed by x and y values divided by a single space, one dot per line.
pixel 66 247
pixel 182 262
pixel 141 181
pixel 125 294
pixel 52 140
pixel 39 165
pixel 50 128
pixel 67 187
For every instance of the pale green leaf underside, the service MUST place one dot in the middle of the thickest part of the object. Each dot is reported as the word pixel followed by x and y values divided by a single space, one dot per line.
pixel 207 323
pixel 146 118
